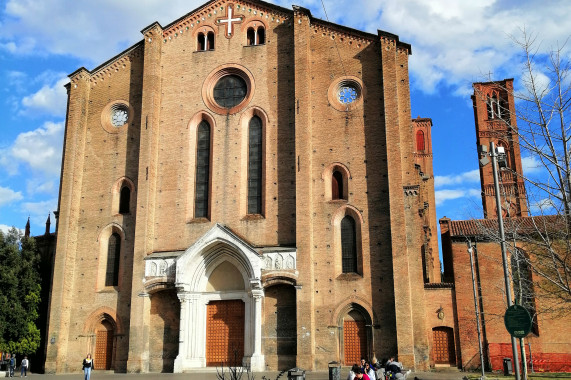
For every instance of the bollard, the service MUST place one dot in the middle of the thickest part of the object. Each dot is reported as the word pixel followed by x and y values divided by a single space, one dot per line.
pixel 508 366
pixel 334 371
pixel 296 374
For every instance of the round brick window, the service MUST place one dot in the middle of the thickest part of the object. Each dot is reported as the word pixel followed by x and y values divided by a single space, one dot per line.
pixel 228 89
pixel 346 93
pixel 115 115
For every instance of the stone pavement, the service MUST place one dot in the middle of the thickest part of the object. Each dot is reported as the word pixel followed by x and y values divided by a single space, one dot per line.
pixel 211 375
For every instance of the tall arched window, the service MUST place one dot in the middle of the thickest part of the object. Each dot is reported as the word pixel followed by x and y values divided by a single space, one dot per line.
pixel 348 245
pixel 251 36
pixel 210 41
pixel 255 150
pixel 113 256
pixel 202 170
pixel 337 185
pixel 496 107
pixel 124 200
pixel 420 144
pixel 261 35
pixel 489 107
pixel 523 285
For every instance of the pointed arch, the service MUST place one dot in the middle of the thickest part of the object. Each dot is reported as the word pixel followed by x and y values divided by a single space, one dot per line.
pixel 336 185
pixel 347 224
pixel 124 197
pixel 110 266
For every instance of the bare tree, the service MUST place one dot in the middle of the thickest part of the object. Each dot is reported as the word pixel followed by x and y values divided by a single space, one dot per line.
pixel 540 247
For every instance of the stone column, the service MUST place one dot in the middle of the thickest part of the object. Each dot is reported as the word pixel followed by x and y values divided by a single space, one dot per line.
pixel 182 332
pixel 257 358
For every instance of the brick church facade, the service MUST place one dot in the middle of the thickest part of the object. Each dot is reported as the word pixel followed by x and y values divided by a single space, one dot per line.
pixel 246 186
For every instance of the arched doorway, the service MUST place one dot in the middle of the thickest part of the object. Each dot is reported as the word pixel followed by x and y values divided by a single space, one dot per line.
pixel 354 337
pixel 443 345
pixel 104 335
pixel 279 329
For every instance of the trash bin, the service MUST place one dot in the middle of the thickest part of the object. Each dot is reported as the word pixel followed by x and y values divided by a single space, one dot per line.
pixel 296 374
pixel 508 369
pixel 334 371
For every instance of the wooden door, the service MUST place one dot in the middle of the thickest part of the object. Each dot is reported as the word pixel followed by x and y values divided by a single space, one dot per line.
pixel 103 349
pixel 354 341
pixel 444 352
pixel 224 333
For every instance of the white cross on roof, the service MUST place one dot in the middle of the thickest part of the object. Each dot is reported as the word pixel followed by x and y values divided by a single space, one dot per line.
pixel 230 20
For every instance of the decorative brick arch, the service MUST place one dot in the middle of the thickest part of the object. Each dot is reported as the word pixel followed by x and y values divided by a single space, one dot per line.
pixel 338 319
pixel 103 313
pixel 103 239
pixel 327 177
pixel 340 213
pixel 116 194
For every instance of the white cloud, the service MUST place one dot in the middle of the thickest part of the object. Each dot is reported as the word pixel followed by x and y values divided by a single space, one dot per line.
pixel 51 100
pixel 541 207
pixel 37 186
pixel 471 176
pixel 40 149
pixel 39 211
pixel 8 196
pixel 531 165
pixel 449 194
pixel 5 228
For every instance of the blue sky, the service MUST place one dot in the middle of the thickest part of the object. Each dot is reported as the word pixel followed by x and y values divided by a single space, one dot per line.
pixel 454 43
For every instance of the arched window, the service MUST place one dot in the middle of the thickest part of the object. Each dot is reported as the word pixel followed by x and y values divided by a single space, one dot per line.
pixel 210 41
pixel 202 170
pixel 251 36
pixel 125 200
pixel 255 150
pixel 261 35
pixel 489 107
pixel 496 107
pixel 337 185
pixel 205 41
pixel 113 256
pixel 523 285
pixel 420 141
pixel 348 245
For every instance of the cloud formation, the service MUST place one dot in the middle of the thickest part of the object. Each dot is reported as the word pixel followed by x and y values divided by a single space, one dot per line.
pixel 8 195
pixel 50 99
pixel 472 176
pixel 39 149
pixel 449 194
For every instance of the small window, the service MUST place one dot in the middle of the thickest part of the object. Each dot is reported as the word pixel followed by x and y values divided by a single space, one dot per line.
pixel 255 166
pixel 420 144
pixel 256 36
pixel 348 245
pixel 205 41
pixel 125 200
pixel 337 185
pixel 113 256
pixel 202 170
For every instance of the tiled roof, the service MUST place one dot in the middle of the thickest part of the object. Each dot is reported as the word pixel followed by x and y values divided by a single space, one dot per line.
pixel 521 226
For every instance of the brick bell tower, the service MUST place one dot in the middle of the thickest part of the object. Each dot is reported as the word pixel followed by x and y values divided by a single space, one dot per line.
pixel 494 114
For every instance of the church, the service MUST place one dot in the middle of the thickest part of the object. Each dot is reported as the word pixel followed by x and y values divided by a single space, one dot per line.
pixel 246 186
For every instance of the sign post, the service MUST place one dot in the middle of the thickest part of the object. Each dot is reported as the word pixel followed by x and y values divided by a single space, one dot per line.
pixel 518 321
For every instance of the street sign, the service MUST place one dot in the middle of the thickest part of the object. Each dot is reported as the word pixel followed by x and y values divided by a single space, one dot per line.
pixel 518 321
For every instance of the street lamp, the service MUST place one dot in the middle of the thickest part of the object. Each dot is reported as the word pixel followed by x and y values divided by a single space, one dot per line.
pixel 500 155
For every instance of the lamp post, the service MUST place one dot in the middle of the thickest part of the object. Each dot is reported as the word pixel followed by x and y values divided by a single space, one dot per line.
pixel 495 155
pixel 470 250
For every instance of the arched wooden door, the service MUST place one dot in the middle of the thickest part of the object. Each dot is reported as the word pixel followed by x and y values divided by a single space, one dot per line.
pixel 103 346
pixel 354 338
pixel 225 333
pixel 443 345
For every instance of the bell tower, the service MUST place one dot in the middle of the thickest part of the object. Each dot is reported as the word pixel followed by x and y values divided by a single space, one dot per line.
pixel 494 115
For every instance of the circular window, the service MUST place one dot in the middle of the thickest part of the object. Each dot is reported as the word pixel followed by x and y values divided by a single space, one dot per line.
pixel 346 93
pixel 119 115
pixel 229 91
pixel 115 115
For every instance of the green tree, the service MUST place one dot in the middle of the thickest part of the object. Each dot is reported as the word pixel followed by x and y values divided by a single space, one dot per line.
pixel 20 295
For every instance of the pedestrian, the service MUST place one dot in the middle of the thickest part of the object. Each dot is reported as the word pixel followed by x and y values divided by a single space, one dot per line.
pixel 24 367
pixel 395 368
pixel 370 371
pixel 12 364
pixel 352 372
pixel 87 366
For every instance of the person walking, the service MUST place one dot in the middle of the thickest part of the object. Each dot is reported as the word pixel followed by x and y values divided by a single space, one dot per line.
pixel 87 366
pixel 24 367
pixel 12 364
